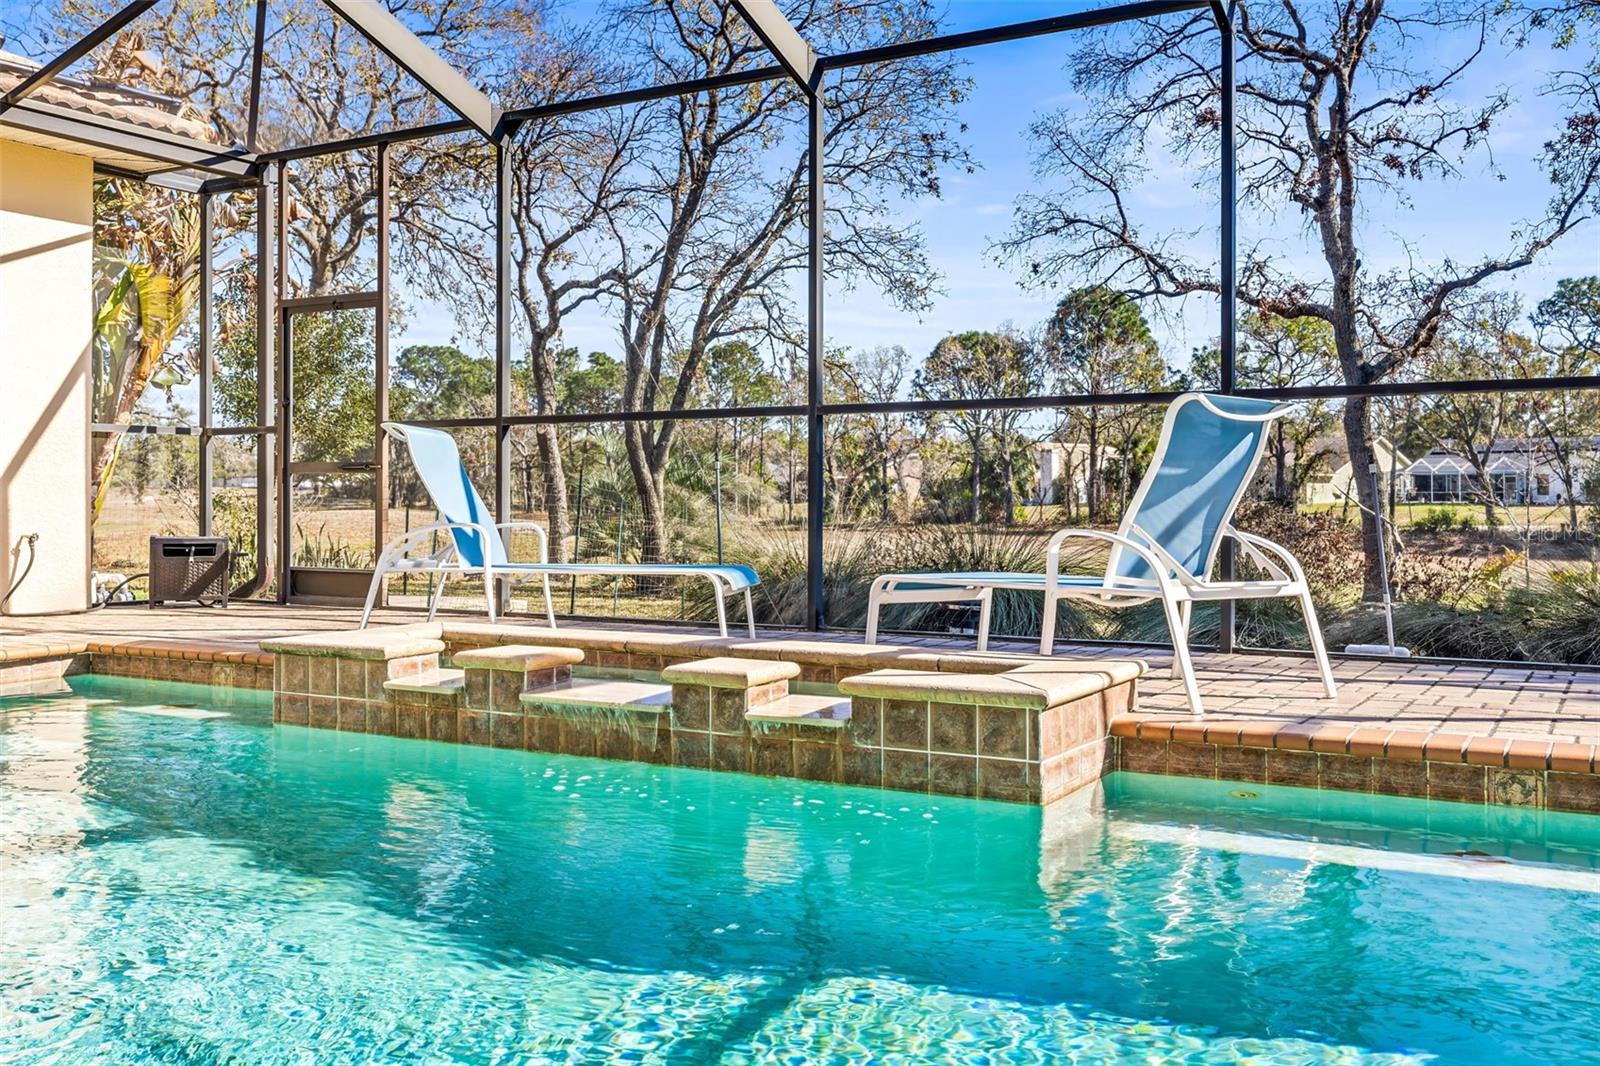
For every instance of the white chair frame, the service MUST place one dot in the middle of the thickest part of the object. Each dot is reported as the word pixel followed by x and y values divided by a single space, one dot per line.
pixel 1173 585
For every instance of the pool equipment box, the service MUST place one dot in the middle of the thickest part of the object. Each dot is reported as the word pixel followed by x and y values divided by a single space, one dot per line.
pixel 189 568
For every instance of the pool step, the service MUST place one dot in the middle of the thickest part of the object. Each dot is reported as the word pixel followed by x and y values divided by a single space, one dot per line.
pixel 603 692
pixel 441 682
pixel 809 710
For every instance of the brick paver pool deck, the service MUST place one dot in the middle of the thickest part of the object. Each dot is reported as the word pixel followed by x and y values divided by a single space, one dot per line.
pixel 1512 702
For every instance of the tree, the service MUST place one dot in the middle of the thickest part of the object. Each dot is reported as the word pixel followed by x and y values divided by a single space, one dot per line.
pixel 570 181
pixel 1567 345
pixel 876 376
pixel 1472 424
pixel 707 254
pixel 1280 353
pixel 1339 107
pixel 983 366
pixel 593 385
pixel 146 281
pixel 1098 344
pixel 440 381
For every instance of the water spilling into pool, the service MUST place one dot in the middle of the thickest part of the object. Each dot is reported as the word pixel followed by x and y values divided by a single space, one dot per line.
pixel 181 882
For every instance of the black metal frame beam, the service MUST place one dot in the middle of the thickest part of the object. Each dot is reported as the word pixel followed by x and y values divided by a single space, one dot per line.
pixel 74 52
pixel 380 443
pixel 627 97
pixel 792 51
pixel 258 50
pixel 1228 280
pixel 207 251
pixel 175 180
pixel 1016 31
pixel 374 22
pixel 816 370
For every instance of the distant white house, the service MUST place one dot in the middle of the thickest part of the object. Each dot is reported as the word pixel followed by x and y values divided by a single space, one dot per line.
pixel 1519 471
pixel 1063 470
pixel 1340 486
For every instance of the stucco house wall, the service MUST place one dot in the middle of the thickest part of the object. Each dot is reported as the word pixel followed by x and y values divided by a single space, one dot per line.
pixel 46 260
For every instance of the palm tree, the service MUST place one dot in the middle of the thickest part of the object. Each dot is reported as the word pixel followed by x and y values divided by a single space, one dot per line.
pixel 147 279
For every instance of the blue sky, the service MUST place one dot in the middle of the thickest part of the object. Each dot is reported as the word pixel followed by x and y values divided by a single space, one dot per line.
pixel 1016 82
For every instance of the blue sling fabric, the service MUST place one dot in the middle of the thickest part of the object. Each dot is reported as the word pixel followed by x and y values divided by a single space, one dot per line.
pixel 438 463
pixel 1194 483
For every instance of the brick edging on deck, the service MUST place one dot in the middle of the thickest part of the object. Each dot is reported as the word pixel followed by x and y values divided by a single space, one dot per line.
pixel 1552 775
pixel 38 664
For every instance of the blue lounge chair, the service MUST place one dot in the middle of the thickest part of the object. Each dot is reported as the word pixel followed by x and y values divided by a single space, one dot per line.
pixel 475 547
pixel 1166 546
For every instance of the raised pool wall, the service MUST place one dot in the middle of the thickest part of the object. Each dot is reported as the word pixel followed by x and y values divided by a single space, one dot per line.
pixel 925 721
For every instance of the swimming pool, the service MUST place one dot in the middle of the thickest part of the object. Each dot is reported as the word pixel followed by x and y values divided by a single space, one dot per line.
pixel 180 882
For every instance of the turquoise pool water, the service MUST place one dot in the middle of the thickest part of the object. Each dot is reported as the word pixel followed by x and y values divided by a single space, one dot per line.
pixel 181 882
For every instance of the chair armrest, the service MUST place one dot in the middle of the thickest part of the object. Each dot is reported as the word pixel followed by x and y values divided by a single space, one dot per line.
pixel 1053 553
pixel 403 543
pixel 544 538
pixel 1269 554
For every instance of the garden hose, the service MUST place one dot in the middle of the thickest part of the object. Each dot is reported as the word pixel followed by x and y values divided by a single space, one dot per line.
pixel 32 540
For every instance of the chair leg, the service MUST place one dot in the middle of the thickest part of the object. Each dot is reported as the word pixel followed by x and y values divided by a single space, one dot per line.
pixel 489 591
pixel 372 595
pixel 874 605
pixel 722 606
pixel 1180 655
pixel 1185 615
pixel 437 597
pixel 1318 647
pixel 985 603
pixel 549 603
pixel 749 614
pixel 1047 624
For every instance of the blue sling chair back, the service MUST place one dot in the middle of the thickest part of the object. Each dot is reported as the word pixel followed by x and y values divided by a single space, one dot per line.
pixel 1167 545
pixel 472 542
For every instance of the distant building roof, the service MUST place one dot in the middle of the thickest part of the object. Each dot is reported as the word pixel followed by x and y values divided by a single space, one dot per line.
pixel 1506 454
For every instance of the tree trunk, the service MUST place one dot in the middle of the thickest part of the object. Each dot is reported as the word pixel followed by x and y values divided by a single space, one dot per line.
pixel 1091 477
pixel 557 519
pixel 650 482
pixel 1358 439
pixel 977 480
pixel 1280 477
pixel 103 458
pixel 1006 471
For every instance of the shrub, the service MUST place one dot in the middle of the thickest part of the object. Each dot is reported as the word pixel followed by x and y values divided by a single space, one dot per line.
pixel 853 558
pixel 1443 520
pixel 1565 621
pixel 1433 629
pixel 1328 548
pixel 1461 581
